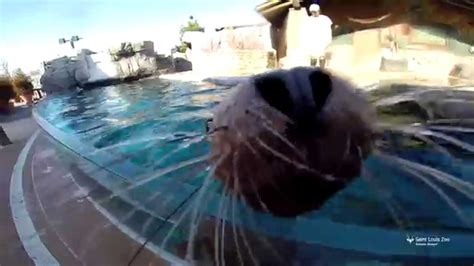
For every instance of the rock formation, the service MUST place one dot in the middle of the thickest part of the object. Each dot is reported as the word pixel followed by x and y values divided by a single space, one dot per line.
pixel 60 75
pixel 90 69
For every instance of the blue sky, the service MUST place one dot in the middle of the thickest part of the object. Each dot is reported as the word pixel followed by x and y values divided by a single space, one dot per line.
pixel 30 29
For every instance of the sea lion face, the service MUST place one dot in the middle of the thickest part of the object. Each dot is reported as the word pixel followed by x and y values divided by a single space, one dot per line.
pixel 287 140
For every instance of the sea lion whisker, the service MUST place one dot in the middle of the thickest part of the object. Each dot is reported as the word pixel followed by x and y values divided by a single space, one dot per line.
pixel 391 206
pixel 223 222
pixel 122 219
pixel 243 235
pixel 292 162
pixel 179 221
pixel 262 204
pixel 167 170
pixel 415 133
pixel 254 106
pixel 195 138
pixel 285 140
pixel 175 225
pixel 245 240
pixel 216 231
pixel 197 220
pixel 359 154
pixel 450 121
pixel 220 221
pixel 422 133
pixel 466 146
pixel 146 225
pixel 193 229
pixel 437 147
pixel 347 150
pixel 442 194
pixel 234 230
pixel 268 127
pixel 124 157
pixel 453 129
pixel 174 151
pixel 256 153
pixel 135 209
pixel 264 240
pixel 348 146
pixel 464 187
pixel 237 177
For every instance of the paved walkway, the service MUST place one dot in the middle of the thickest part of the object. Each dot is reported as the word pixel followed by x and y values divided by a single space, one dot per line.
pixel 47 216
pixel 11 249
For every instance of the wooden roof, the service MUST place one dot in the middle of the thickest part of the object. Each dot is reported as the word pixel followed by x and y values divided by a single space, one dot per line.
pixel 363 14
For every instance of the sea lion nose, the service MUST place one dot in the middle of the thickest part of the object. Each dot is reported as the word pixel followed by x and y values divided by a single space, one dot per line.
pixel 312 89
pixel 321 87
pixel 275 92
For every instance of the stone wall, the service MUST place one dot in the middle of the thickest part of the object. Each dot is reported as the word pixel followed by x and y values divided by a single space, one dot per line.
pixel 251 37
pixel 236 62
pixel 239 50
pixel 136 65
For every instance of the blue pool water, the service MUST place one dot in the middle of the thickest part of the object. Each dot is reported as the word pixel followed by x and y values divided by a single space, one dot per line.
pixel 147 134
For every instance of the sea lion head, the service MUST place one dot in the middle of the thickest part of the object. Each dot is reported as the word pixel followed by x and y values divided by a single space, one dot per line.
pixel 287 140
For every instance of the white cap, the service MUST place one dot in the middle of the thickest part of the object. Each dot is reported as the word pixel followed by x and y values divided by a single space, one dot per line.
pixel 314 8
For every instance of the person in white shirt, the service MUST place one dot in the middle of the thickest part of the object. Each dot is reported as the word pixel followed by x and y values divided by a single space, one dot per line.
pixel 319 30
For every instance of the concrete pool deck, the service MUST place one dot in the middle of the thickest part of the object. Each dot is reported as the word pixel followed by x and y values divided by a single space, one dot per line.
pixel 359 77
pixel 46 217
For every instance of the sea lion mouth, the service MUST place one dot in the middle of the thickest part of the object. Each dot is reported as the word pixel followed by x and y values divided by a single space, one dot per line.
pixel 296 138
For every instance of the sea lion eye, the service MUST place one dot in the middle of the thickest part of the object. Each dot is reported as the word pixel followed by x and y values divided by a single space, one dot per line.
pixel 321 87
pixel 273 90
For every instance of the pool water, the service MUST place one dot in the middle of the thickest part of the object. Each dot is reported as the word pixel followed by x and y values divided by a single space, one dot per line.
pixel 150 135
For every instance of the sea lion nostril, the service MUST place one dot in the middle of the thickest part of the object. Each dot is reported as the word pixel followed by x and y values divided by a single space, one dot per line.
pixel 273 90
pixel 321 87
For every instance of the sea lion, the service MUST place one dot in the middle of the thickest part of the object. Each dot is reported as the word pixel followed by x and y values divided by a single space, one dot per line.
pixel 287 140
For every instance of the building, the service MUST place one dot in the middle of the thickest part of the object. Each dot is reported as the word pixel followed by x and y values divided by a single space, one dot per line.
pixel 232 50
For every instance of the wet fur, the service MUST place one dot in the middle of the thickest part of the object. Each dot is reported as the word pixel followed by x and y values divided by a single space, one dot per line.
pixel 293 150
